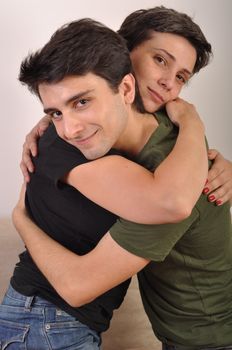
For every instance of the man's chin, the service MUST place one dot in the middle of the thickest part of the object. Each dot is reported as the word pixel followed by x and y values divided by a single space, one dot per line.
pixel 92 155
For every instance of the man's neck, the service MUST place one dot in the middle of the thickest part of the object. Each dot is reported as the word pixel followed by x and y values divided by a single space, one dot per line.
pixel 137 133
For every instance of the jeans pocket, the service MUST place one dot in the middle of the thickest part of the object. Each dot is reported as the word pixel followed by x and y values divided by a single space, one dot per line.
pixel 13 335
pixel 72 335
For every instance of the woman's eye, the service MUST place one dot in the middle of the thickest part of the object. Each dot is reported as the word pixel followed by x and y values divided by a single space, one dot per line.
pixel 181 78
pixel 160 59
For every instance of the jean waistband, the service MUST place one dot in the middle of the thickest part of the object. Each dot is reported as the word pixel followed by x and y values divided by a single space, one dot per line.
pixel 27 301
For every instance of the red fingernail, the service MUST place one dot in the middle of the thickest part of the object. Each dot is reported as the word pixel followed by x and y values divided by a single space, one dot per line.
pixel 205 190
pixel 218 202
pixel 211 198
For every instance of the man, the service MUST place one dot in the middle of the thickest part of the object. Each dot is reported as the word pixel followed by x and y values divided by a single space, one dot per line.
pixel 91 105
pixel 188 285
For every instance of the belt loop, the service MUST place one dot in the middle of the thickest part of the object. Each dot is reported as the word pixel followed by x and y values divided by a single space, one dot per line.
pixel 28 303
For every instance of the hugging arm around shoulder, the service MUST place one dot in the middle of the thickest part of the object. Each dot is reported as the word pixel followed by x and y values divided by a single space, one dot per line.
pixel 95 262
pixel 120 185
pixel 80 279
pixel 77 279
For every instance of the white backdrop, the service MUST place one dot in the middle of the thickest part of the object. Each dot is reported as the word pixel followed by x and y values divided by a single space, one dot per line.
pixel 26 25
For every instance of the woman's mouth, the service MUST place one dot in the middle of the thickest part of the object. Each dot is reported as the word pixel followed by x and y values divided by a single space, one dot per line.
pixel 155 96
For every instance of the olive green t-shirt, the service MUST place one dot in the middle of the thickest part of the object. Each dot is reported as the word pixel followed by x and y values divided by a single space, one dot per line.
pixel 187 287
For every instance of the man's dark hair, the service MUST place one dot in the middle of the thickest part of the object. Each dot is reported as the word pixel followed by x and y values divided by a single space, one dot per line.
pixel 139 25
pixel 78 48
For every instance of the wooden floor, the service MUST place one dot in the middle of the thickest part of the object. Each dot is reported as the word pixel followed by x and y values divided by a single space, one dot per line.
pixel 130 329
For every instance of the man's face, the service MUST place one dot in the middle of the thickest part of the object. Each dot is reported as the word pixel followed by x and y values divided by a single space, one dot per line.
pixel 86 113
pixel 162 66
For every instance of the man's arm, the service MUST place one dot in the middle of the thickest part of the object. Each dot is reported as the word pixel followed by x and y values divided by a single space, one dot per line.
pixel 132 192
pixel 77 279
pixel 219 177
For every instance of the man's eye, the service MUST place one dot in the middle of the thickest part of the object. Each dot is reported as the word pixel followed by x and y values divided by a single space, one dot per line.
pixel 81 102
pixel 56 114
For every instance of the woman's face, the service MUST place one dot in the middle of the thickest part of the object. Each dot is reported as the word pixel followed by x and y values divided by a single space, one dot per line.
pixel 162 66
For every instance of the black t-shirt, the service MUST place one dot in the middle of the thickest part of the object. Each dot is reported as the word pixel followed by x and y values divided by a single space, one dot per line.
pixel 72 220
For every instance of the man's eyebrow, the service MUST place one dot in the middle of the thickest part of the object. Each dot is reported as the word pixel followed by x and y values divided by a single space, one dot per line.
pixel 172 58
pixel 69 100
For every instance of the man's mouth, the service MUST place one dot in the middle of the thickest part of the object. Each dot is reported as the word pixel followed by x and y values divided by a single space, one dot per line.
pixel 83 139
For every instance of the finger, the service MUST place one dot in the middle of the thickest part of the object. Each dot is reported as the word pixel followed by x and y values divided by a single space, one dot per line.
pixel 30 144
pixel 26 158
pixel 217 167
pixel 220 195
pixel 217 194
pixel 25 172
pixel 220 176
pixel 33 148
pixel 42 128
pixel 214 176
pixel 27 162
pixel 212 154
pixel 44 124
pixel 215 180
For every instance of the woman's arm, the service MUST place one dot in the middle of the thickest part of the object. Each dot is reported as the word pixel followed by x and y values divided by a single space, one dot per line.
pixel 30 146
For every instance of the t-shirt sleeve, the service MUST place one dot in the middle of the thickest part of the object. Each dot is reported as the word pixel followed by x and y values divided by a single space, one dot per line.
pixel 59 157
pixel 153 242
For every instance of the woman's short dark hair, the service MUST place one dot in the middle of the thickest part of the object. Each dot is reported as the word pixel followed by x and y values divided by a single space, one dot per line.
pixel 139 25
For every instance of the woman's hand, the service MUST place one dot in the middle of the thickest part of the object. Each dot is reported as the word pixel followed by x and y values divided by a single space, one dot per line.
pixel 219 185
pixel 30 146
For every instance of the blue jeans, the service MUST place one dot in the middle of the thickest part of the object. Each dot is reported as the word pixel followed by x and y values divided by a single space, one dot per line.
pixel 173 347
pixel 32 323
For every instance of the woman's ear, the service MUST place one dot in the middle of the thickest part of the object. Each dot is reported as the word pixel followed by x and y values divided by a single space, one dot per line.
pixel 127 88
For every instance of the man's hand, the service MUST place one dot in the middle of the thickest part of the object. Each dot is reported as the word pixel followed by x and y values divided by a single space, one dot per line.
pixel 30 146
pixel 219 184
pixel 67 271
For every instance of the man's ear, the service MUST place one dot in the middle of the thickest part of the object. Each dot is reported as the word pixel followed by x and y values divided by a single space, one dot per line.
pixel 127 88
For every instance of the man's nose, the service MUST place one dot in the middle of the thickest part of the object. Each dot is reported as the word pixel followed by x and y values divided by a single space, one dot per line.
pixel 72 127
